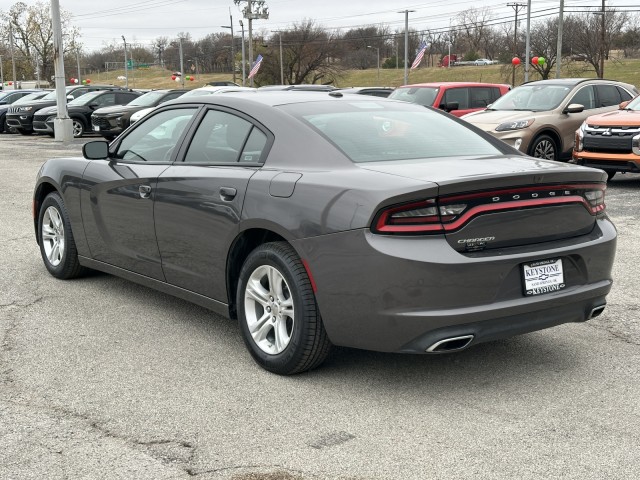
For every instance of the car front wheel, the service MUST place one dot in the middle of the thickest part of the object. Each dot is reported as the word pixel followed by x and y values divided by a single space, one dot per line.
pixel 57 247
pixel 544 147
pixel 277 311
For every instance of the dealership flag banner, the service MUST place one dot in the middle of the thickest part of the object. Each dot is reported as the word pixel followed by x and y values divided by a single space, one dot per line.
pixel 416 62
pixel 256 66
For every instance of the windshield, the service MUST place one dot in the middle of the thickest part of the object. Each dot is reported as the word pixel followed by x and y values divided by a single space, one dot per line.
pixel 534 98
pixel 634 104
pixel 424 96
pixel 30 98
pixel 50 96
pixel 149 99
pixel 376 132
pixel 86 99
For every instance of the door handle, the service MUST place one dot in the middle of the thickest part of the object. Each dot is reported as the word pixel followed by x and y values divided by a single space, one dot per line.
pixel 227 193
pixel 144 191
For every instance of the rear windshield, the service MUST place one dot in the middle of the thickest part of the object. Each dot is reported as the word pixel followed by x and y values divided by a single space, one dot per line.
pixel 387 131
pixel 424 96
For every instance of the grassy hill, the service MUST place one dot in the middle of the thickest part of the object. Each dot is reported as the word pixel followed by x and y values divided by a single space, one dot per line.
pixel 627 70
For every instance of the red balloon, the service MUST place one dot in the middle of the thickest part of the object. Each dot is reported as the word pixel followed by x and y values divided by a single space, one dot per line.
pixel 72 80
pixel 534 60
pixel 515 61
pixel 10 83
pixel 88 80
pixel 192 78
pixel 173 77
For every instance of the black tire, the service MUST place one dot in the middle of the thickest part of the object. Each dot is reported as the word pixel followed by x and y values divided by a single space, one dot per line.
pixel 544 147
pixel 78 127
pixel 22 131
pixel 66 265
pixel 610 174
pixel 307 344
pixel 4 128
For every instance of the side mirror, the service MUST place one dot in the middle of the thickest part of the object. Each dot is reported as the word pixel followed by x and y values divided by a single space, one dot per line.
pixel 93 106
pixel 574 108
pixel 623 105
pixel 96 150
pixel 449 106
pixel 69 97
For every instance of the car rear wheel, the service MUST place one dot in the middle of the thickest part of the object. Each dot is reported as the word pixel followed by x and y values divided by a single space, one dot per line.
pixel 277 311
pixel 78 128
pixel 544 147
pixel 57 246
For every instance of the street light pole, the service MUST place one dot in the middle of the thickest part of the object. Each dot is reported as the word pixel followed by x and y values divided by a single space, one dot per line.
pixel 602 43
pixel 406 44
pixel 449 57
pixel 181 64
pixel 126 70
pixel 233 56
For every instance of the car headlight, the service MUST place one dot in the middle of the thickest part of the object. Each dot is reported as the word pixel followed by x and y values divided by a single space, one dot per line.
pixel 579 141
pixel 516 125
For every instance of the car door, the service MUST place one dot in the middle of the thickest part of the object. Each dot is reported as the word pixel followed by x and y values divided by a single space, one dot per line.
pixel 199 200
pixel 117 207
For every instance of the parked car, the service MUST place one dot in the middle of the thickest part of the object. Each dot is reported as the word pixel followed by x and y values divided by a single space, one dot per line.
pixel 24 96
pixel 457 98
pixel 81 109
pixel 484 61
pixel 378 237
pixel 7 97
pixel 202 91
pixel 541 118
pixel 110 121
pixel 373 91
pixel 21 117
pixel 611 141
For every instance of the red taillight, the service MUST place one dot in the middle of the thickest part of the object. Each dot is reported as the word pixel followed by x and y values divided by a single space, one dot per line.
pixel 452 212
pixel 413 217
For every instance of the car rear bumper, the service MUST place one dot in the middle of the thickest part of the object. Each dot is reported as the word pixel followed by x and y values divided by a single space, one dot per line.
pixel 403 294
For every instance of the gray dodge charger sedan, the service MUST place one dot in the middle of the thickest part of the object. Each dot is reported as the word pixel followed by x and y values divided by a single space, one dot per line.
pixel 321 219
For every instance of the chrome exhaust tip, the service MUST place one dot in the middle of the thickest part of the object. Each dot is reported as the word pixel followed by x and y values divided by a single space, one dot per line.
pixel 596 311
pixel 451 344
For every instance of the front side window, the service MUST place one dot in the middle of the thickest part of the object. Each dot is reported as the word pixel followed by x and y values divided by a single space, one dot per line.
pixel 458 95
pixel 155 138
pixel 220 138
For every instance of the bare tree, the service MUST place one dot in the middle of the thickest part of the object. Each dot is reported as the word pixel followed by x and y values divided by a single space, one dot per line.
pixel 33 35
pixel 473 28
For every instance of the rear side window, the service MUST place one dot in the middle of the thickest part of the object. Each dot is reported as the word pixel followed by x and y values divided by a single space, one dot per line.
pixel 220 138
pixel 422 96
pixel 480 97
pixel 626 96
pixel 608 95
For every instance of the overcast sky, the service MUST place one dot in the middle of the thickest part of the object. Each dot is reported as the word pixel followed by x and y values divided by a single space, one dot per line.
pixel 141 21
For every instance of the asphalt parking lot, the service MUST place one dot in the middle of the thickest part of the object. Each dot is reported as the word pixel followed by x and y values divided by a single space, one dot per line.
pixel 103 379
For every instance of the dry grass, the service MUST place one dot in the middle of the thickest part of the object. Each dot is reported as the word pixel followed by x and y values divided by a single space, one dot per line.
pixel 627 70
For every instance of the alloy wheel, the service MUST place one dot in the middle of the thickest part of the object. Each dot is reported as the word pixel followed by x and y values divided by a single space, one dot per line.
pixel 53 236
pixel 545 149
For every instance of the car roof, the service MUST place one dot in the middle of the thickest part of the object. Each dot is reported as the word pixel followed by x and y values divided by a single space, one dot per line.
pixel 455 84
pixel 569 81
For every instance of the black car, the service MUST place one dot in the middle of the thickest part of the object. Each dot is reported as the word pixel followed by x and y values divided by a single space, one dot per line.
pixel 10 97
pixel 80 110
pixel 21 117
pixel 110 121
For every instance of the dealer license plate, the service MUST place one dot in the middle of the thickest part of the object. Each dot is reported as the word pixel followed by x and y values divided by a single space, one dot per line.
pixel 96 128
pixel 543 276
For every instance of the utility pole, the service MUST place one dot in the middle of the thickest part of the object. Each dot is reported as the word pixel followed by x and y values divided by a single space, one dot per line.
pixel 181 64
pixel 244 62
pixel 1 74
pixel 516 7
pixel 126 70
pixel 78 64
pixel 233 55
pixel 281 60
pixel 527 49
pixel 261 12
pixel 602 42
pixel 406 44
pixel 559 46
